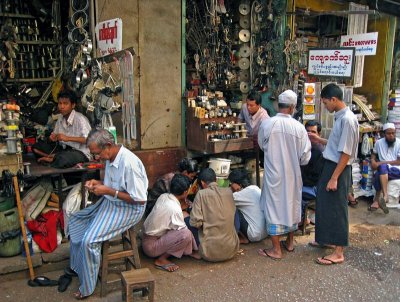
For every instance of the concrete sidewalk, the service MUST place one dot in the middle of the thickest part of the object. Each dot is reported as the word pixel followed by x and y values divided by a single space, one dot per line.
pixel 371 271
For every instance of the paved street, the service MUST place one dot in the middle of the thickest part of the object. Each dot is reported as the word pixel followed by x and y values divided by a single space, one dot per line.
pixel 371 272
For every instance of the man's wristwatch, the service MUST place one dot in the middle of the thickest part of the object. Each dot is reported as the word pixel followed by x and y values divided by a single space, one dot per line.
pixel 116 194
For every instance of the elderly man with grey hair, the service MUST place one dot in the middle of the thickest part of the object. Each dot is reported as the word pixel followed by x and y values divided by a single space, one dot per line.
pixel 286 146
pixel 123 197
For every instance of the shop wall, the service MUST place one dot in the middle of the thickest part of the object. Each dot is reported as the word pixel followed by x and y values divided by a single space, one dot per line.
pixel 153 28
pixel 318 5
pixel 376 73
pixel 374 77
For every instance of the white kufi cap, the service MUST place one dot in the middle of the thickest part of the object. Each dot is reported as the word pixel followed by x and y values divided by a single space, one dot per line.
pixel 388 126
pixel 288 97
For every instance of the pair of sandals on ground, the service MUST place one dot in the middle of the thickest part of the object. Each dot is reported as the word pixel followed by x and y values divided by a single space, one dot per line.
pixel 285 245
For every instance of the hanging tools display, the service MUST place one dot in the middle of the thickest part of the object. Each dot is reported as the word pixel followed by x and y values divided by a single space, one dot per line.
pixel 241 49
pixel 34 52
pixel 128 105
pixel 79 50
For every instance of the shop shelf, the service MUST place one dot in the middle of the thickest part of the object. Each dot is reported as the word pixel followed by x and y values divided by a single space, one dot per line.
pixel 37 42
pixel 31 80
pixel 198 138
pixel 9 15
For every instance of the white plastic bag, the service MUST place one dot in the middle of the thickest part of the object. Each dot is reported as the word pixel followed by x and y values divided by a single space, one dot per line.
pixel 72 204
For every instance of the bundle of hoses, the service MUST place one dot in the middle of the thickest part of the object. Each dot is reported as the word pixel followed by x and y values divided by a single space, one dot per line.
pixel 360 100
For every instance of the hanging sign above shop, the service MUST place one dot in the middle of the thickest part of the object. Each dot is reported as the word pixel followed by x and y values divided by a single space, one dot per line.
pixel 365 44
pixel 326 62
pixel 109 36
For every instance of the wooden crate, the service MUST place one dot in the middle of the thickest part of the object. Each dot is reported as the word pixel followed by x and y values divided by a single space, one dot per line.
pixel 160 161
pixel 12 162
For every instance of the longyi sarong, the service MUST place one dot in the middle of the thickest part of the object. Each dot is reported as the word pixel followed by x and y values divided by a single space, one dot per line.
pixel 174 242
pixel 331 215
pixel 91 226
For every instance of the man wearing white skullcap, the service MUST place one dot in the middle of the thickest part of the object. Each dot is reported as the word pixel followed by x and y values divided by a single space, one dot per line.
pixel 385 159
pixel 286 146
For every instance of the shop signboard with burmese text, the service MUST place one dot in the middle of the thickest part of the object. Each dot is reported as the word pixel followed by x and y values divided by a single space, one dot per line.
pixel 365 44
pixel 331 62
pixel 109 36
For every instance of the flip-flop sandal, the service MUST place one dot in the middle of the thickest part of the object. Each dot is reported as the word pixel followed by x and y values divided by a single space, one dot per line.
pixel 330 262
pixel 165 267
pixel 284 245
pixel 352 204
pixel 263 253
pixel 372 209
pixel 63 282
pixel 42 281
pixel 382 205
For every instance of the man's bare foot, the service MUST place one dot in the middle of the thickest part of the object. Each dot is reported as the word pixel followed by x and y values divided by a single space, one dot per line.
pixel 166 265
pixel 329 260
pixel 45 159
pixel 324 246
pixel 271 253
pixel 242 238
pixel 374 206
pixel 195 255
pixel 308 221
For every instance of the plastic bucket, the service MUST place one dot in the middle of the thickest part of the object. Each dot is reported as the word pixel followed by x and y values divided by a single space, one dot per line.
pixel 9 220
pixel 6 203
pixel 220 166
pixel 11 145
pixel 9 229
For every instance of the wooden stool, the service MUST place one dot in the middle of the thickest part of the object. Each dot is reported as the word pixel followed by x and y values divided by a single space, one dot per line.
pixel 310 205
pixel 137 279
pixel 129 254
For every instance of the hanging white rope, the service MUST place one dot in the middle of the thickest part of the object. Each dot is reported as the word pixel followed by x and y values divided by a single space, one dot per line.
pixel 128 102
pixel 357 24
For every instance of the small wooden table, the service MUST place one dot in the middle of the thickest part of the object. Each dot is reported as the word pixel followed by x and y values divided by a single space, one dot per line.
pixel 37 170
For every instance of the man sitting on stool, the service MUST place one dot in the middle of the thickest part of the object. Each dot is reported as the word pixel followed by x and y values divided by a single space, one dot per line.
pixel 385 159
pixel 67 145
pixel 124 194
pixel 311 172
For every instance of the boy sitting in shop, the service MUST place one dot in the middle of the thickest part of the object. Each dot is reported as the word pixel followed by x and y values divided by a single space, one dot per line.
pixel 67 143
pixel 247 200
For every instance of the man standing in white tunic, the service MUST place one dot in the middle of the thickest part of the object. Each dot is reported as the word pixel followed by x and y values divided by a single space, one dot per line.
pixel 286 146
